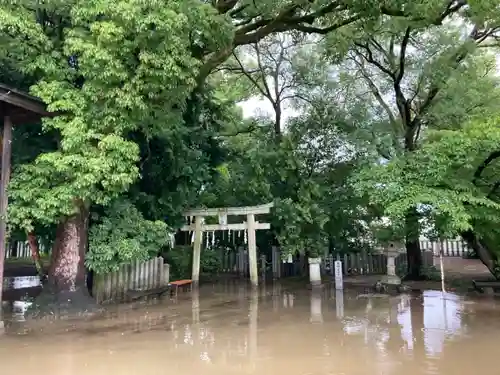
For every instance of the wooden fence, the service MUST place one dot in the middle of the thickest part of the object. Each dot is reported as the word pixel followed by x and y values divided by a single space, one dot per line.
pixel 451 248
pixel 236 263
pixel 147 275
pixel 369 264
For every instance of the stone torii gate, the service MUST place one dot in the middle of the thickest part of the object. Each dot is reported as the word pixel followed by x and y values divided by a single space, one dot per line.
pixel 251 225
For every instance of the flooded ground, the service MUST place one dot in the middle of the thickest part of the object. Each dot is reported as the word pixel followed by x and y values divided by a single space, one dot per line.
pixel 228 329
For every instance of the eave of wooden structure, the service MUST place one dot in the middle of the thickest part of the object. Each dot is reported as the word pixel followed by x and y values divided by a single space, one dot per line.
pixel 21 108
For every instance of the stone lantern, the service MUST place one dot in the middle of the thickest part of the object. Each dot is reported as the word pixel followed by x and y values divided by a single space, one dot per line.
pixel 392 250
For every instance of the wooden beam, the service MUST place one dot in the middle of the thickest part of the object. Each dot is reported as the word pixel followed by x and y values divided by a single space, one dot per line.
pixel 215 227
pixel 4 182
pixel 23 100
pixel 234 211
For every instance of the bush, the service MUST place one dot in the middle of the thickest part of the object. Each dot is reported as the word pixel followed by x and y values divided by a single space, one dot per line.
pixel 470 254
pixel 180 259
pixel 430 273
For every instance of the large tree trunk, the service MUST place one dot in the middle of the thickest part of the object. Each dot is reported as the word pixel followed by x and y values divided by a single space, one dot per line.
pixel 487 256
pixel 67 266
pixel 413 252
pixel 66 290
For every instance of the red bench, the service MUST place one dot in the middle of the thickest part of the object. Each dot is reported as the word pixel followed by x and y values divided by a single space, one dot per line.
pixel 175 285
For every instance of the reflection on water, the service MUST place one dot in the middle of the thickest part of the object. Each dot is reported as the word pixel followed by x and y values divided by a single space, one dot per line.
pixel 232 329
pixel 16 294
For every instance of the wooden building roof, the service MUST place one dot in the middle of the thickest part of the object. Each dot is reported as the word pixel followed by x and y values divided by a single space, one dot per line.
pixel 22 108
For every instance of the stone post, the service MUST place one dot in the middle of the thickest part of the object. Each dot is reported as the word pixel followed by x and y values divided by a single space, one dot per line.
pixel 315 271
pixel 339 281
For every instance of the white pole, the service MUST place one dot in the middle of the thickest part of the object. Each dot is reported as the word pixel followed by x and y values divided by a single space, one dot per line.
pixel 441 265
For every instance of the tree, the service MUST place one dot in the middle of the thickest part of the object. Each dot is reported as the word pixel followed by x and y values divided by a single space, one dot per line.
pixel 274 67
pixel 439 178
pixel 108 75
pixel 408 76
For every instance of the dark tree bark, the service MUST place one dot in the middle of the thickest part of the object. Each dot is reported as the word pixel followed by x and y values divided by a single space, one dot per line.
pixel 35 253
pixel 413 251
pixel 67 266
pixel 484 253
pixel 66 291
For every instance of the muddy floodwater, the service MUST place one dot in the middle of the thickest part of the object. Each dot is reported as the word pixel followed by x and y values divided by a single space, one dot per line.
pixel 228 329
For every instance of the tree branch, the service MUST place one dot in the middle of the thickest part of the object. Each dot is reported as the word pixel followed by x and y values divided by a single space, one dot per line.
pixel 479 171
pixel 224 6
pixel 248 130
pixel 370 58
pixel 453 7
pixel 326 30
pixel 376 93
pixel 402 102
pixel 402 57
pixel 455 60
pixel 264 91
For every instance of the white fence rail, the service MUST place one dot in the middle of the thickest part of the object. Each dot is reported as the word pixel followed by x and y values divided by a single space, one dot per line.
pixel 21 249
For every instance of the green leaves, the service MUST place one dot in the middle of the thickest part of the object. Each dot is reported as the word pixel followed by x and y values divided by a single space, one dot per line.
pixel 123 236
pixel 439 178
pixel 118 67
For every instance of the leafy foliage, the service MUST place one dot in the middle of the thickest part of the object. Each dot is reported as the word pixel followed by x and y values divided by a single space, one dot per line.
pixel 123 235
pixel 180 260
pixel 439 177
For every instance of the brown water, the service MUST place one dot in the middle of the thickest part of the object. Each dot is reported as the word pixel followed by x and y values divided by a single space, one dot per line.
pixel 230 330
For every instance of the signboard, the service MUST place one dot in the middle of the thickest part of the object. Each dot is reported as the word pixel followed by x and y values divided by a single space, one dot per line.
pixel 223 218
pixel 339 281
